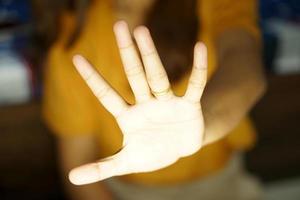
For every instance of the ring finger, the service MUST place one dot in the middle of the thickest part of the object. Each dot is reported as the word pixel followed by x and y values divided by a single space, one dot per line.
pixel 156 74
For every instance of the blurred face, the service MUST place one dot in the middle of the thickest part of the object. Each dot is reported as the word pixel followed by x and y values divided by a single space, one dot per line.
pixel 133 11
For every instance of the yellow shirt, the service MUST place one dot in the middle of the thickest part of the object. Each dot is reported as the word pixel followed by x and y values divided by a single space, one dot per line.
pixel 70 109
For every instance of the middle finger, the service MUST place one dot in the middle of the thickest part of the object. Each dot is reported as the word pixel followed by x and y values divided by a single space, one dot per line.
pixel 131 62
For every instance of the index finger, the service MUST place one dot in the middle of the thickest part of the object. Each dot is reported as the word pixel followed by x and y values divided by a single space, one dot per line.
pixel 101 89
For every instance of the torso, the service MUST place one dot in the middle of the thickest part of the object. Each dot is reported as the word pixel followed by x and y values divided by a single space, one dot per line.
pixel 98 45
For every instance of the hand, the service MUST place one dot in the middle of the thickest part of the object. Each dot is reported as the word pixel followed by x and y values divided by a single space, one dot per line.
pixel 161 127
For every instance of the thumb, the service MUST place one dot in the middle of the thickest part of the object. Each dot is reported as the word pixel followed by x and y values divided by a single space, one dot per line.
pixel 103 169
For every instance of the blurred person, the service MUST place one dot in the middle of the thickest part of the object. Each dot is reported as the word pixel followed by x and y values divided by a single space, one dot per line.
pixel 86 130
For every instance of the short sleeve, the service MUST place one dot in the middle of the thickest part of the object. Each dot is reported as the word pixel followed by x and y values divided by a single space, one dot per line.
pixel 67 102
pixel 221 15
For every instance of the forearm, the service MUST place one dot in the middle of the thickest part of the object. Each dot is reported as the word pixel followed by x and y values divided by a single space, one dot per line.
pixel 235 87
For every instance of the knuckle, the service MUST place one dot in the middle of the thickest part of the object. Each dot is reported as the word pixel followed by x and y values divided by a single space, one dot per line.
pixel 197 83
pixel 134 71
pixel 102 92
pixel 200 73
pixel 202 68
pixel 192 100
pixel 150 53
pixel 129 46
pixel 157 76
pixel 88 77
pixel 141 96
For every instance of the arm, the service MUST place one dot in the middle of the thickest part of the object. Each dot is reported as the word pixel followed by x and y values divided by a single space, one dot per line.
pixel 75 151
pixel 235 87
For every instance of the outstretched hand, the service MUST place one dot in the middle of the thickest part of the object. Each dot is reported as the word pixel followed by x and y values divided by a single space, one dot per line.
pixel 161 127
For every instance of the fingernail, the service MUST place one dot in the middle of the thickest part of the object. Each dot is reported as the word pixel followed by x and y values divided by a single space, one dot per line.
pixel 200 55
pixel 144 40
pixel 81 65
pixel 122 33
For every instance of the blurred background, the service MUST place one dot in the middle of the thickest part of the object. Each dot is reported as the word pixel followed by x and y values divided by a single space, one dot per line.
pixel 27 154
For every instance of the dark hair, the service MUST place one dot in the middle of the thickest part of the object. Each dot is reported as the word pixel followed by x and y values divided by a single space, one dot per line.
pixel 174 27
pixel 173 24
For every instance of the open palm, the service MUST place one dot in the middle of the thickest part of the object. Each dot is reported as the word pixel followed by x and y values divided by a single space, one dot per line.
pixel 161 127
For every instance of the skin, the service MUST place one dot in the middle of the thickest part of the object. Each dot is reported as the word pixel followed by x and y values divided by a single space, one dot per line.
pixel 161 127
pixel 238 53
pixel 239 82
pixel 85 149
